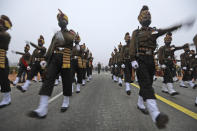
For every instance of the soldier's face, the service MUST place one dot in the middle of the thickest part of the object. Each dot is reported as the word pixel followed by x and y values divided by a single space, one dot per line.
pixel 186 49
pixel 146 18
pixel 40 44
pixel 127 38
pixel 62 23
pixel 26 50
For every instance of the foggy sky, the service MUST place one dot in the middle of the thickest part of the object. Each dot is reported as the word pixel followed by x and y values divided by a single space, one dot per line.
pixel 100 23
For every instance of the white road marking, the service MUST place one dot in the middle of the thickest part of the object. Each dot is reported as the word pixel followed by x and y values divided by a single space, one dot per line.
pixel 55 97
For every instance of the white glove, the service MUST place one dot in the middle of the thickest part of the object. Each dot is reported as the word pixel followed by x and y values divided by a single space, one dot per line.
pixel 195 56
pixel 43 64
pixel 112 66
pixel 123 65
pixel 77 47
pixel 163 66
pixel 134 64
pixel 116 65
pixel 191 69
pixel 184 68
pixel 28 68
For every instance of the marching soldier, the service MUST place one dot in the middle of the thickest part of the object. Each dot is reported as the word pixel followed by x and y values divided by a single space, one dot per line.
pixel 110 64
pixel 99 67
pixel 84 62
pixel 127 64
pixel 90 61
pixel 115 65
pixel 166 60
pixel 5 24
pixel 35 63
pixel 187 68
pixel 119 63
pixel 142 46
pixel 58 62
pixel 77 64
pixel 195 41
pixel 193 57
pixel 23 63
pixel 89 65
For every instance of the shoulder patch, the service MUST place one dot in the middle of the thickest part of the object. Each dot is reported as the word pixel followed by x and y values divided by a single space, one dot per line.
pixel 72 32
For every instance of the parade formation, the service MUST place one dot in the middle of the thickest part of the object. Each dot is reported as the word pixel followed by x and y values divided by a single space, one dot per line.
pixel 139 60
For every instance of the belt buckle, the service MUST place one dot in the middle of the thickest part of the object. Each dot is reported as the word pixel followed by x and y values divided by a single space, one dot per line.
pixel 60 48
pixel 149 52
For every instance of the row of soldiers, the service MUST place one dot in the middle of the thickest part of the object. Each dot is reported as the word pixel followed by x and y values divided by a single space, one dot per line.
pixel 62 58
pixel 138 55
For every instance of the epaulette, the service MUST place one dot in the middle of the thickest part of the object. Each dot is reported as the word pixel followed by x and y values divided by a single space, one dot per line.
pixel 73 32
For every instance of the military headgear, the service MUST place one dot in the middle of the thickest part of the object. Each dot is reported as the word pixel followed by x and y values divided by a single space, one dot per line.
pixel 144 17
pixel 195 40
pixel 61 15
pixel 127 34
pixel 83 46
pixel 120 46
pixel 41 39
pixel 5 22
pixel 115 49
pixel 168 38
pixel 77 38
pixel 186 47
pixel 112 54
pixel 27 47
pixel 127 37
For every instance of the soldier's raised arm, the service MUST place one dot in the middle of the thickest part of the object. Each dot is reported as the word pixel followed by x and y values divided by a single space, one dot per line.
pixel 161 32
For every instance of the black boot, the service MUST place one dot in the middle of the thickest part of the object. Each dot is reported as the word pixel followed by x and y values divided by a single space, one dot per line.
pixel 161 121
pixel 34 114
pixel 63 109
pixel 128 92
pixel 20 89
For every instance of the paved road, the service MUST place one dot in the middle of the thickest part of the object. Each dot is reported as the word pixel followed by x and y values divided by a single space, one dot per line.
pixel 101 106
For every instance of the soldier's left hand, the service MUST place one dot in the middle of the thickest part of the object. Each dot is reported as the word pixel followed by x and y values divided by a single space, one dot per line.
pixel 43 64
pixel 78 47
pixel 123 66
pixel 134 64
